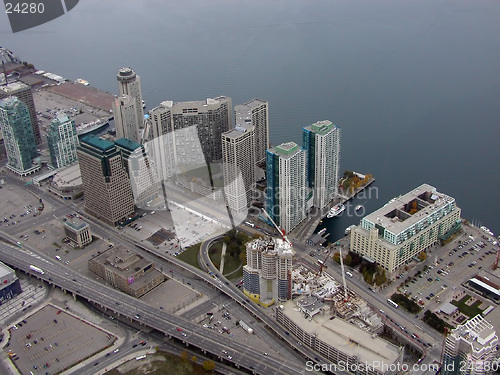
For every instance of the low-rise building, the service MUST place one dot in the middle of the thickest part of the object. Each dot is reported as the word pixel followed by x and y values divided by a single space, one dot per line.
pixel 126 270
pixel 9 283
pixel 347 347
pixel 78 232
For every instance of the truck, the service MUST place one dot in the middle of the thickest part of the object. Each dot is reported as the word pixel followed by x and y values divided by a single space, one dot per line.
pixel 37 269
pixel 245 326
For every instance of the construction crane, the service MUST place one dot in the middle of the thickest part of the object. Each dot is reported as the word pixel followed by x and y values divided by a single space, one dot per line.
pixel 322 262
pixel 343 274
pixel 280 230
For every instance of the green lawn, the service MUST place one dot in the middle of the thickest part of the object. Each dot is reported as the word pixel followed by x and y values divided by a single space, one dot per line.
pixel 190 255
pixel 470 311
pixel 230 264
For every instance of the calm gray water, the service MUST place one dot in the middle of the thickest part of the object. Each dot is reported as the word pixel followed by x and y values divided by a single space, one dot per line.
pixel 414 85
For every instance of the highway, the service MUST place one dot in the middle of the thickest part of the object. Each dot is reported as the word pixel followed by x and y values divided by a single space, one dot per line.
pixel 170 325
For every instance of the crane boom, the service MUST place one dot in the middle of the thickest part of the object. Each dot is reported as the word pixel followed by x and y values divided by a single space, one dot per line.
pixel 281 231
pixel 343 274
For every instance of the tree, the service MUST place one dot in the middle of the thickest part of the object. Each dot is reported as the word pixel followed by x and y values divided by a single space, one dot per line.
pixel 184 356
pixel 194 359
pixel 336 257
pixel 208 365
pixel 422 256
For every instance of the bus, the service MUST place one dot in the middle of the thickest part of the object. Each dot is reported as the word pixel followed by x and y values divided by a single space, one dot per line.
pixel 37 269
pixel 392 303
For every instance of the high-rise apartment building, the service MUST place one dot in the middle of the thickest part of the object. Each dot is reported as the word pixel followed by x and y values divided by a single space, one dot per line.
pixel 322 145
pixel 18 136
pixel 188 133
pixel 471 349
pixel 106 185
pixel 405 227
pixel 24 94
pixel 62 141
pixel 143 178
pixel 238 150
pixel 125 114
pixel 255 113
pixel 129 83
pixel 267 274
pixel 287 193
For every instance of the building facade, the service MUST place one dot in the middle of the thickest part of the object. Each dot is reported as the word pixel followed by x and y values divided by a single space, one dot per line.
pixel 189 133
pixel 146 187
pixel 321 141
pixel 406 226
pixel 106 185
pixel 62 141
pixel 255 113
pixel 18 136
pixel 126 270
pixel 25 94
pixel 267 274
pixel 78 232
pixel 471 349
pixel 349 348
pixel 10 285
pixel 125 114
pixel 287 193
pixel 238 150
pixel 129 83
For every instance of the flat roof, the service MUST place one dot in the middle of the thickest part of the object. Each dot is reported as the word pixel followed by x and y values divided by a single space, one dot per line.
pixel 97 142
pixel 70 176
pixel 76 223
pixel 128 144
pixel 447 308
pixel 345 337
pixel 5 270
pixel 13 86
pixel 395 215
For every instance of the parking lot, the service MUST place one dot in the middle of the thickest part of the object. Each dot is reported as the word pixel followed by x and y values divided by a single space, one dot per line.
pixel 52 338
pixel 449 267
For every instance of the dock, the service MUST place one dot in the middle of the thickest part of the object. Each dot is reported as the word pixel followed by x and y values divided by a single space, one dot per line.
pixel 306 229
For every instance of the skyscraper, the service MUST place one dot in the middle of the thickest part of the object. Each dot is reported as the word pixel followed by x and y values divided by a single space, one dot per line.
pixel 18 136
pixel 125 114
pixel 24 94
pixel 62 140
pixel 129 83
pixel 238 150
pixel 188 132
pixel 267 274
pixel 471 349
pixel 143 178
pixel 322 145
pixel 255 113
pixel 287 193
pixel 106 186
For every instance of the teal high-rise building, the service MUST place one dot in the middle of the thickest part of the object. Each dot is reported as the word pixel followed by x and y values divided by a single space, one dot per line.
pixel 287 191
pixel 19 138
pixel 62 141
pixel 321 141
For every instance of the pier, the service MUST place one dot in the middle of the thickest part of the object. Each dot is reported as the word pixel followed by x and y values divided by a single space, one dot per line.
pixel 306 229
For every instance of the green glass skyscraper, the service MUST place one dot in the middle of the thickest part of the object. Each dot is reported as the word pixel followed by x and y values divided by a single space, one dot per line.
pixel 18 136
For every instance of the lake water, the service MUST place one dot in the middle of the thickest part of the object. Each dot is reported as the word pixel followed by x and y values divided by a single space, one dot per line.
pixel 414 85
